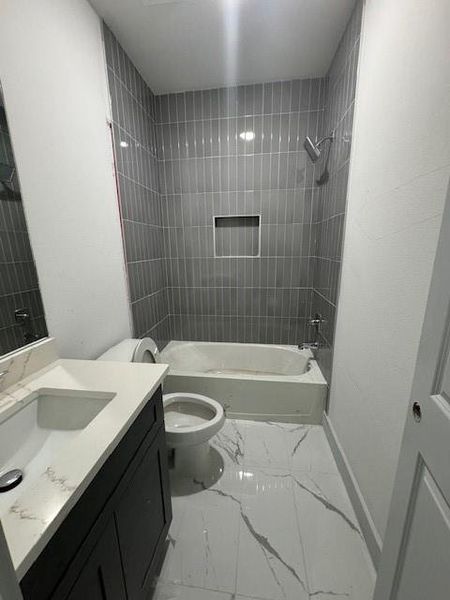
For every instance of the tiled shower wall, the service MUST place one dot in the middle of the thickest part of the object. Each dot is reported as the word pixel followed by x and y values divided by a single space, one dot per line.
pixel 179 288
pixel 19 286
pixel 135 144
pixel 329 213
pixel 207 170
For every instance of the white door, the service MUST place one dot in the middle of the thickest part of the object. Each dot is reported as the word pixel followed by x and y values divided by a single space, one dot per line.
pixel 415 561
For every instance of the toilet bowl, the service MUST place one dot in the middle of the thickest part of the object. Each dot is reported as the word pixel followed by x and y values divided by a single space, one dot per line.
pixel 190 419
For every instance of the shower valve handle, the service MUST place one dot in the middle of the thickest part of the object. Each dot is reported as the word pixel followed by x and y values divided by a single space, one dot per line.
pixel 317 320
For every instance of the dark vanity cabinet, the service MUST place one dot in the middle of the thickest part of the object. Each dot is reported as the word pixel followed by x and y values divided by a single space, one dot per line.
pixel 111 543
pixel 101 576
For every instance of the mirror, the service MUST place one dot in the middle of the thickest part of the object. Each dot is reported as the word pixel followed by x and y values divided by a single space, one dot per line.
pixel 22 319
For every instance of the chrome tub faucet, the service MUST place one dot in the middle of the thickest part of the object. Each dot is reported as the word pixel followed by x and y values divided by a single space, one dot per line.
pixel 315 345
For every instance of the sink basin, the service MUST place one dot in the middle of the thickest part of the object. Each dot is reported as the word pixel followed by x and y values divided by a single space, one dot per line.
pixel 33 435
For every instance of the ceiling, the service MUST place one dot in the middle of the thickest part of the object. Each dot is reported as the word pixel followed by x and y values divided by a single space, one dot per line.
pixel 182 45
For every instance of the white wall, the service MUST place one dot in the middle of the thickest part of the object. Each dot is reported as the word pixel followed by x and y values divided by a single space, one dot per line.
pixel 400 166
pixel 53 75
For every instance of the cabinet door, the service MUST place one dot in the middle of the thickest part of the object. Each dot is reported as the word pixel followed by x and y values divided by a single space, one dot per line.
pixel 143 517
pixel 101 578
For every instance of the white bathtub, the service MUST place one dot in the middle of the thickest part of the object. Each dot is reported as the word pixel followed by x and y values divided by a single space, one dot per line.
pixel 252 381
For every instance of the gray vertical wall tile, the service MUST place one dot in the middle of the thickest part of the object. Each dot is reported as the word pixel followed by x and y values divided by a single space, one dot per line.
pixel 135 113
pixel 206 169
pixel 19 286
pixel 337 93
pixel 186 163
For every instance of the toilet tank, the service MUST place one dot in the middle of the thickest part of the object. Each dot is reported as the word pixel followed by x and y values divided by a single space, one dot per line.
pixel 122 352
pixel 133 350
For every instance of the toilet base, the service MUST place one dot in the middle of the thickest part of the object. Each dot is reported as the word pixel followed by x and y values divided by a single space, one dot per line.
pixel 194 460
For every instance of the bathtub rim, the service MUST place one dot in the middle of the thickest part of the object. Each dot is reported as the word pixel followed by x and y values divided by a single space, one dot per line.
pixel 312 376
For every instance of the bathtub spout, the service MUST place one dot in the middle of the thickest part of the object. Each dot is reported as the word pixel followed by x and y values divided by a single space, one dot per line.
pixel 313 346
pixel 316 323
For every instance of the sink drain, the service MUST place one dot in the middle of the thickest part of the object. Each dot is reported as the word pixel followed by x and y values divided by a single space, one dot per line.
pixel 10 480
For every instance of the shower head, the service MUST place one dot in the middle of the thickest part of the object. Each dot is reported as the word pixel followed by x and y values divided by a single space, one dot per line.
pixel 314 154
pixel 312 149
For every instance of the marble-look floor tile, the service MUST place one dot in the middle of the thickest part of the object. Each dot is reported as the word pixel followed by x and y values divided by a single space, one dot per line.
pixel 265 445
pixel 271 522
pixel 178 509
pixel 203 551
pixel 229 442
pixel 169 591
pixel 270 560
pixel 246 598
pixel 286 446
pixel 309 450
pixel 190 490
pixel 294 438
pixel 336 556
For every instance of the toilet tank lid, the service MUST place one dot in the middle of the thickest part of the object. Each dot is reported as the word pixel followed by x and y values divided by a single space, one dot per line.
pixel 122 352
pixel 132 350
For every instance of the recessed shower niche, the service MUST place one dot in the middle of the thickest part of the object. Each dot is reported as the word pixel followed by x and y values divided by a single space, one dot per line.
pixel 237 235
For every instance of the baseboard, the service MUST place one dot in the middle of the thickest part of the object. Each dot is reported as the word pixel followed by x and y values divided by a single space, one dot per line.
pixel 368 529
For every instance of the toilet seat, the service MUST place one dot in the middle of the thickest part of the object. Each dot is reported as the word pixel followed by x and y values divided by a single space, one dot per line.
pixel 191 418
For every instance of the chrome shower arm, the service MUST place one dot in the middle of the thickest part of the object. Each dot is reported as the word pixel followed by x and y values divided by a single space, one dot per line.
pixel 325 138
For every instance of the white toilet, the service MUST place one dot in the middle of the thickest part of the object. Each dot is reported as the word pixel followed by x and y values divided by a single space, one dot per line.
pixel 190 419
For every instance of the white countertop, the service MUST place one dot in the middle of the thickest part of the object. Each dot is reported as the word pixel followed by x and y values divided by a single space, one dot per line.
pixel 35 515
